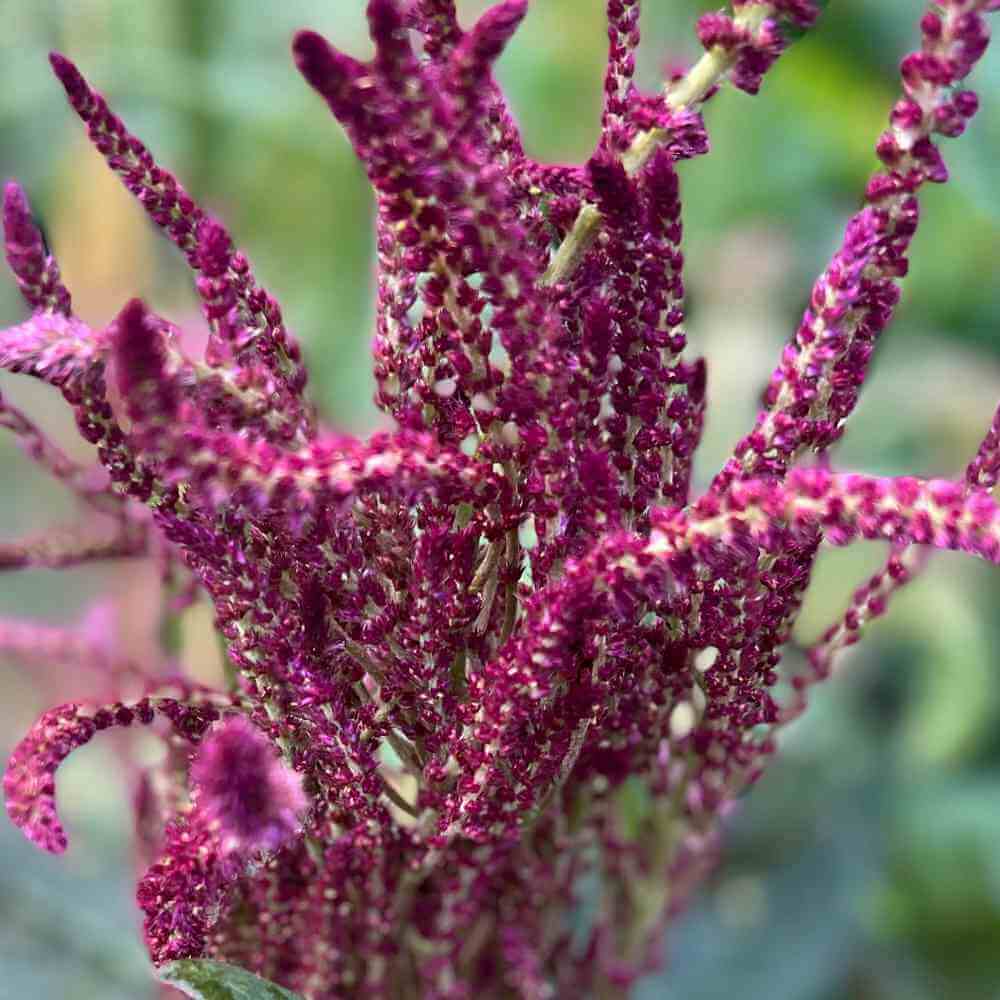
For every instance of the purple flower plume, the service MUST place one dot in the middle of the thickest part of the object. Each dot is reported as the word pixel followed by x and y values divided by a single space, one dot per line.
pixel 243 786
pixel 451 645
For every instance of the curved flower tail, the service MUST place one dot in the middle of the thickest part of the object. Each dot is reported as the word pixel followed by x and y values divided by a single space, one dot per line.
pixel 29 781
pixel 246 322
pixel 89 483
pixel 34 267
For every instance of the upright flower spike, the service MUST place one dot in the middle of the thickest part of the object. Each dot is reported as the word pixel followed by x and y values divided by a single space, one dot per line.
pixel 623 33
pixel 443 213
pixel 748 43
pixel 817 383
pixel 140 364
pixel 437 21
pixel 984 469
pixel 451 644
pixel 36 271
pixel 251 327
pixel 168 204
pixel 816 386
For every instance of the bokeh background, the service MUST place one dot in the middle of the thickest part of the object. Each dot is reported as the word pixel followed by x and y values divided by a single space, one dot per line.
pixel 866 864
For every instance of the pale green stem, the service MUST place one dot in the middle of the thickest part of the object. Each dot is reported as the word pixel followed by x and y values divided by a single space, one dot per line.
pixel 685 95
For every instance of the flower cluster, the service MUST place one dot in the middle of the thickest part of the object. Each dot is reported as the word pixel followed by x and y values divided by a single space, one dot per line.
pixel 453 645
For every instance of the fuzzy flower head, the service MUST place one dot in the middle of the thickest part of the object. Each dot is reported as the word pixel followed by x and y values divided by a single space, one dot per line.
pixel 243 785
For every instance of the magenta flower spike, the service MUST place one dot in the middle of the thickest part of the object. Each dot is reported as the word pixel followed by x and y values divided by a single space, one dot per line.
pixel 451 643
pixel 34 268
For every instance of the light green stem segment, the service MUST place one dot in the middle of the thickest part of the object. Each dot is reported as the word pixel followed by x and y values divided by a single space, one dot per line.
pixel 686 94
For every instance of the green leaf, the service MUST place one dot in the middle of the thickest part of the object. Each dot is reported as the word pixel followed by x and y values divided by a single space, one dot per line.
pixel 207 980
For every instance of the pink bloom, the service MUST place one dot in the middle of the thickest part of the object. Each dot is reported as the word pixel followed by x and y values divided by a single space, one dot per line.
pixel 241 784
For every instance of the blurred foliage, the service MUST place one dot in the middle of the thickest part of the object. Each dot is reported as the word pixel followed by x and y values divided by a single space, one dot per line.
pixel 865 863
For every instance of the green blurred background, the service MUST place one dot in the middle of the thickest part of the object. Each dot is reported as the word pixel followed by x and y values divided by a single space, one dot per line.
pixel 866 863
